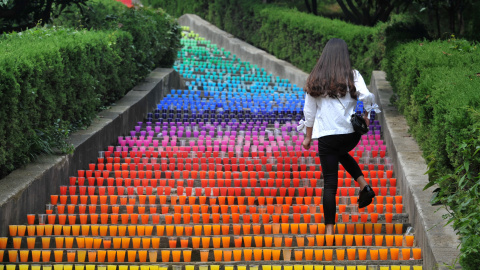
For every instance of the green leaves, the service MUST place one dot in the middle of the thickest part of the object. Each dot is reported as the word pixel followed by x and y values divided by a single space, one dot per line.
pixel 55 79
pixel 437 91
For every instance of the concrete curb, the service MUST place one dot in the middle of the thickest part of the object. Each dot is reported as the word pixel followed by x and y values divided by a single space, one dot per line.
pixel 243 50
pixel 438 243
pixel 27 190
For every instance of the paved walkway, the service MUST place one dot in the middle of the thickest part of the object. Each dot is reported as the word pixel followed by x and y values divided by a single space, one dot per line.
pixel 216 178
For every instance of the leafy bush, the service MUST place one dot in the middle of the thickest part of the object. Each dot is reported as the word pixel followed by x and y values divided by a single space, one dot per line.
pixel 54 80
pixel 156 35
pixel 288 34
pixel 437 84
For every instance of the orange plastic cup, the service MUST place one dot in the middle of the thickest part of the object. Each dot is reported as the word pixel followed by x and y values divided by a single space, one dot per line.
pixel 247 241
pixel 12 255
pixel 328 254
pixel 348 240
pixel 394 253
pixel 155 242
pixel 405 254
pixel 398 240
pixel 409 240
pixel 358 240
pixel 398 228
pixel 417 253
pixel 176 254
pixel 340 252
pixel 217 254
pixel 258 240
pixel 216 241
pixel 204 255
pixel 308 254
pixel 383 253
pixel 374 254
pixel 318 254
pixel 227 255
pixel 165 255
pixel 23 255
pixel 362 254
pixel 368 239
pixel 111 254
pixel 205 242
pixel 351 253
pixel 247 254
pixel 389 228
pixel 46 254
pixel 378 240
pixel 187 255
pixel 329 239
pixel 389 240
pixel 257 254
pixel 226 241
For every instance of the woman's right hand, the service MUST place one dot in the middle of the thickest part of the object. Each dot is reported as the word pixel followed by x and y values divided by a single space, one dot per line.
pixel 306 143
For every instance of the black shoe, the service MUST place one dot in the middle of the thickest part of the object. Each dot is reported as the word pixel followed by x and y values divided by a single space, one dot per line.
pixel 366 196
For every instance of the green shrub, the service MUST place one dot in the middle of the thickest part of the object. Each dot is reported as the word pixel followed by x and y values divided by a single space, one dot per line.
pixel 437 86
pixel 54 80
pixel 156 35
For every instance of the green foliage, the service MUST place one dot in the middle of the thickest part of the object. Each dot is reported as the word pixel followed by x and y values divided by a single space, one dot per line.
pixel 54 80
pixel 19 15
pixel 460 192
pixel 437 84
pixel 54 86
pixel 291 35
pixel 156 35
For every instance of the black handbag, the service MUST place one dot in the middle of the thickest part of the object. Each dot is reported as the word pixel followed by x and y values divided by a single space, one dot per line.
pixel 358 122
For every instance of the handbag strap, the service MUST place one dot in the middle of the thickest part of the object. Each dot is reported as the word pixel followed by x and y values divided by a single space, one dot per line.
pixel 340 102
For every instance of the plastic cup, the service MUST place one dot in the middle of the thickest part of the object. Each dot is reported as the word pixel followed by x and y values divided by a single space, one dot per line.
pixel 204 255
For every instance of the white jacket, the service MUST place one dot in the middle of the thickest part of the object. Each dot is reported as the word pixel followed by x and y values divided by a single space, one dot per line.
pixel 327 116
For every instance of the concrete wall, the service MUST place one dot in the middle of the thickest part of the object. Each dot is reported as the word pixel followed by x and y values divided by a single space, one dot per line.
pixel 438 243
pixel 27 190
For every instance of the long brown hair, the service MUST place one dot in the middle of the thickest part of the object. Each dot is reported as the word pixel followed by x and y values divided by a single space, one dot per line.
pixel 333 74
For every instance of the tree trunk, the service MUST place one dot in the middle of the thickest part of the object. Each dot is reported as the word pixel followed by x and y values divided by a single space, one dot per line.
pixel 437 18
pixel 460 18
pixel 307 4
pixel 46 12
pixel 314 7
pixel 451 18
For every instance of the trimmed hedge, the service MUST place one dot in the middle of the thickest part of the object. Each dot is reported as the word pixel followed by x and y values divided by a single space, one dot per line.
pixel 54 80
pixel 288 34
pixel 437 84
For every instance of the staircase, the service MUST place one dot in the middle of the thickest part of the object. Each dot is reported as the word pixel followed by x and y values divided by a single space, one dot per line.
pixel 216 178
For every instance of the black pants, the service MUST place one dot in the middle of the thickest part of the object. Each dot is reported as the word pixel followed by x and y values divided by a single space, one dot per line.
pixel 332 150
